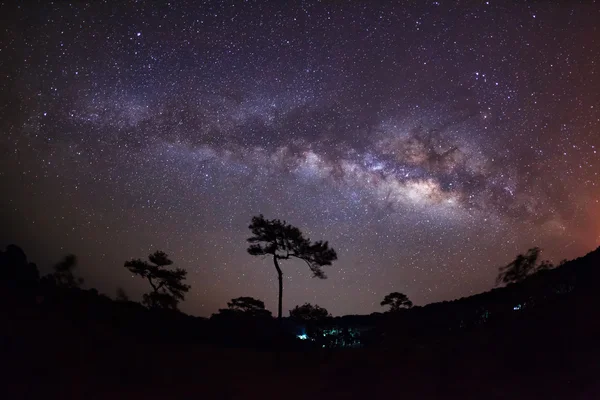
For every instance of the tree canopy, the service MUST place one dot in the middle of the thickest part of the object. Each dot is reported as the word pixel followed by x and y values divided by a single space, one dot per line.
pixel 284 241
pixel 167 285
pixel 309 312
pixel 15 269
pixel 121 295
pixel 245 306
pixel 397 301
pixel 63 273
pixel 522 266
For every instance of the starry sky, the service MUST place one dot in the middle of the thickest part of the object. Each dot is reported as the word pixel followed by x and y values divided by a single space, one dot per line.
pixel 429 142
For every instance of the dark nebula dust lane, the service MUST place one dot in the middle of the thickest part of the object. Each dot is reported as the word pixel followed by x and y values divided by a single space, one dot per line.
pixel 429 143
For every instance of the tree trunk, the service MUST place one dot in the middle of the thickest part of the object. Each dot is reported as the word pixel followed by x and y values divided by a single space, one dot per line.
pixel 280 276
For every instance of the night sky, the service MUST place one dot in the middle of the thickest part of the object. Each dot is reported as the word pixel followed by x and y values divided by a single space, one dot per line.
pixel 429 143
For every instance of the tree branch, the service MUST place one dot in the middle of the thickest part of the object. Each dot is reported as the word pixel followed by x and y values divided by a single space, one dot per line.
pixel 303 259
pixel 152 283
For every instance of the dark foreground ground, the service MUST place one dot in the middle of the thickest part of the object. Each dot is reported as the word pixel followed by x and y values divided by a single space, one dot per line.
pixel 516 365
pixel 78 345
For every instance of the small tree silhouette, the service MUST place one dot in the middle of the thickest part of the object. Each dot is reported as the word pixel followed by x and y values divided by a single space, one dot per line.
pixel 63 273
pixel 15 269
pixel 397 301
pixel 167 285
pixel 522 266
pixel 308 312
pixel 282 241
pixel 121 295
pixel 245 306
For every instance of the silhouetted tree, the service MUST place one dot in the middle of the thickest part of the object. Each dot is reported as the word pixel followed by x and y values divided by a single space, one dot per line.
pixel 314 320
pixel 397 301
pixel 545 265
pixel 246 306
pixel 282 241
pixel 121 295
pixel 522 266
pixel 308 312
pixel 167 285
pixel 15 269
pixel 63 273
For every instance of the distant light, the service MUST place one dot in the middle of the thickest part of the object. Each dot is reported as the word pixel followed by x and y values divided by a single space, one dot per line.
pixel 517 307
pixel 302 336
pixel 139 34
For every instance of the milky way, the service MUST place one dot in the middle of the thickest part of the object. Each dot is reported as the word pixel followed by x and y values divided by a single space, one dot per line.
pixel 429 143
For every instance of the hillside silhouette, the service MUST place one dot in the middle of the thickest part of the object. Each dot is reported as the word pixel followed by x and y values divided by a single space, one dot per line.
pixel 534 338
